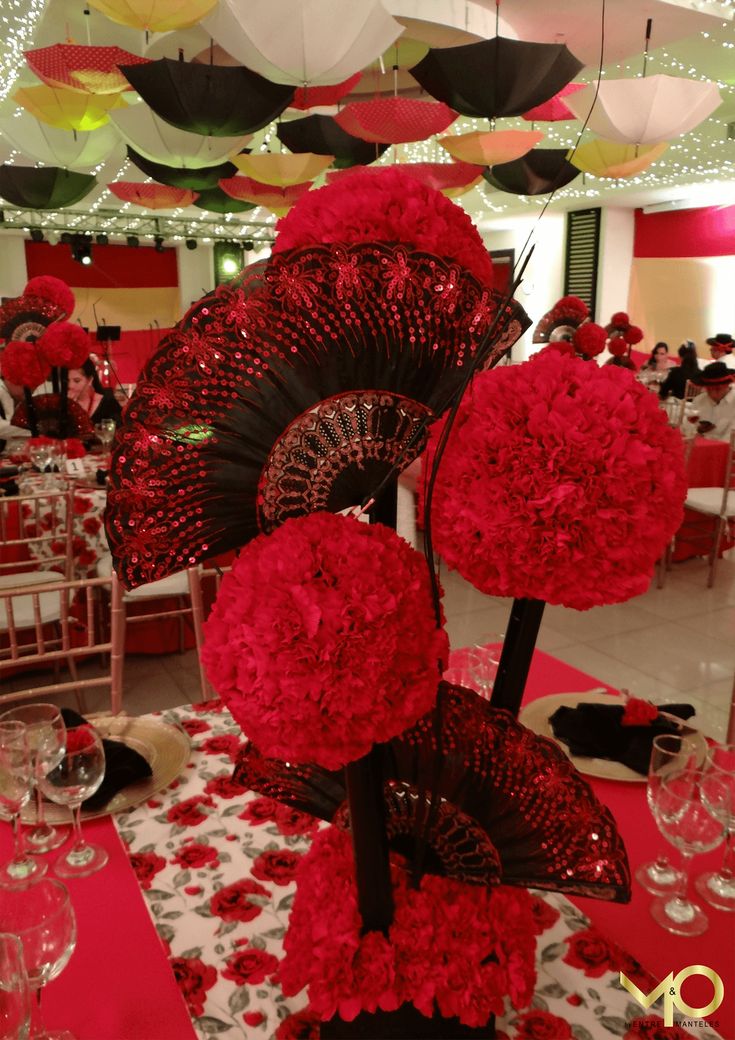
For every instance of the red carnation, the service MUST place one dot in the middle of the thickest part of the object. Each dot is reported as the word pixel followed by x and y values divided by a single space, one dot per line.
pixel 620 320
pixel 194 978
pixel 65 344
pixel 571 304
pixel 53 289
pixel 146 865
pixel 386 205
pixel 21 363
pixel 590 339
pixel 638 712
pixel 633 335
pixel 79 738
pixel 618 346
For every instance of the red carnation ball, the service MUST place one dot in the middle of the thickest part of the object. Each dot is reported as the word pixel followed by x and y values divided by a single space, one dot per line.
pixel 386 205
pixel 620 319
pixel 590 339
pixel 53 289
pixel 568 304
pixel 65 344
pixel 21 363
pixel 618 346
pixel 633 335
pixel 552 470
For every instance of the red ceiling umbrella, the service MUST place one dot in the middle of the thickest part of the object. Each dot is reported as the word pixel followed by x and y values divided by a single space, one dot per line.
pixel 553 110
pixel 153 196
pixel 330 94
pixel 395 119
pixel 452 178
pixel 93 70
pixel 274 198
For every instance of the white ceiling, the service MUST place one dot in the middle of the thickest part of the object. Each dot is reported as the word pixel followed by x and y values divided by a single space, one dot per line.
pixel 698 168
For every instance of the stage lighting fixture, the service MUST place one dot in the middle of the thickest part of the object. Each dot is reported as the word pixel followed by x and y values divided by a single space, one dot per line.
pixel 66 238
pixel 133 241
pixel 248 245
pixel 36 235
pixel 81 249
pixel 158 243
pixel 101 239
pixel 229 258
pixel 191 243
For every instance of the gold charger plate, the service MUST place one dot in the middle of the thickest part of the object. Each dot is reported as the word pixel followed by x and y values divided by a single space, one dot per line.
pixel 536 715
pixel 166 748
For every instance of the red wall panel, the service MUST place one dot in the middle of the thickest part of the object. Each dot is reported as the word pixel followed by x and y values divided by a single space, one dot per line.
pixel 119 267
pixel 687 232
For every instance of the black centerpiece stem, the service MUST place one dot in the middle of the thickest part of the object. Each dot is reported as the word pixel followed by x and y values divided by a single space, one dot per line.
pixel 515 659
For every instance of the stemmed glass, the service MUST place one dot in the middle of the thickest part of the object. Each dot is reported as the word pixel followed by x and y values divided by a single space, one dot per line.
pixel 15 994
pixel 40 914
pixel 40 455
pixel 670 753
pixel 105 430
pixel 76 777
pixel 718 887
pixel 482 663
pixel 15 790
pixel 46 740
pixel 690 806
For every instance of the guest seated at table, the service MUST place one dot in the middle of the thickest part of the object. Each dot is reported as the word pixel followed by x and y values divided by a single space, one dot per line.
pixel 656 368
pixel 675 383
pixel 10 395
pixel 86 389
pixel 716 406
pixel 721 349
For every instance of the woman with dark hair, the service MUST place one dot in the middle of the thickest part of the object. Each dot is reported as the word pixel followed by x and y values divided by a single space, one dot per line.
pixel 675 383
pixel 86 389
pixel 657 367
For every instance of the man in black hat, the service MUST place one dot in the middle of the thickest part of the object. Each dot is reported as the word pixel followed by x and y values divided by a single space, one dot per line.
pixel 716 406
pixel 721 349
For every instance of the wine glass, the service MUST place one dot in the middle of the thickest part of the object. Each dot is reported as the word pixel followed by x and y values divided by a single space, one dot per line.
pixel 46 739
pixel 718 887
pixel 15 994
pixel 77 776
pixel 40 914
pixel 40 456
pixel 690 807
pixel 105 430
pixel 15 790
pixel 483 662
pixel 670 753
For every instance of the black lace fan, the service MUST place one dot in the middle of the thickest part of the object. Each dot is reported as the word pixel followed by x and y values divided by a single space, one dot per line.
pixel 511 806
pixel 293 389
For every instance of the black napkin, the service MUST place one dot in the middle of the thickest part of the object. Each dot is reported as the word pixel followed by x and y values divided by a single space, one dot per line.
pixel 596 731
pixel 123 765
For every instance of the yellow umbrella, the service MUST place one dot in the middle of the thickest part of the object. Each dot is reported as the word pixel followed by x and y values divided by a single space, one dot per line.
pixel 68 109
pixel 282 168
pixel 491 147
pixel 155 15
pixel 613 159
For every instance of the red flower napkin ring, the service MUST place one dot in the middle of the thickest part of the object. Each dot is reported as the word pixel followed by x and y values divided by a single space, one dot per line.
pixel 639 713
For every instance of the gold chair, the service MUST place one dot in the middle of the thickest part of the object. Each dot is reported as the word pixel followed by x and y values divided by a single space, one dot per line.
pixel 713 504
pixel 36 534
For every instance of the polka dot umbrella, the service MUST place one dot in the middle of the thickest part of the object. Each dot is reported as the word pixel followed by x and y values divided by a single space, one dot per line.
pixel 278 200
pixel 152 196
pixel 395 119
pixel 93 70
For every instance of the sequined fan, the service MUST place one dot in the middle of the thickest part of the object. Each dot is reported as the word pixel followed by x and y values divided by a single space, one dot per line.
pixel 512 808
pixel 293 389
pixel 562 321
pixel 49 416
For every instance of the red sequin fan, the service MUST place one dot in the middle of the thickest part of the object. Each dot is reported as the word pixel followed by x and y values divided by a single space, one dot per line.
pixel 293 389
pixel 512 809
pixel 48 415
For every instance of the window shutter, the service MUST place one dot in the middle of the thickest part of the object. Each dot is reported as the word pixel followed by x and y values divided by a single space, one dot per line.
pixel 580 263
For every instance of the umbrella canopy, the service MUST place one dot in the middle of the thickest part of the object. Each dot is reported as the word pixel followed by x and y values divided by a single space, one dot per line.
pixel 498 77
pixel 492 146
pixel 54 147
pixel 176 177
pixel 646 110
pixel 68 109
pixel 281 169
pixel 613 159
pixel 536 173
pixel 304 42
pixel 214 200
pixel 555 109
pixel 47 187
pixel 323 136
pixel 451 178
pixel 314 97
pixel 154 138
pixel 278 200
pixel 215 100
pixel 154 15
pixel 152 196
pixel 395 119
pixel 93 70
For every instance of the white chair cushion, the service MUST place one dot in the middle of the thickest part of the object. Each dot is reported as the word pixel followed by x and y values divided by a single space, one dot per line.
pixel 173 585
pixel 48 602
pixel 709 500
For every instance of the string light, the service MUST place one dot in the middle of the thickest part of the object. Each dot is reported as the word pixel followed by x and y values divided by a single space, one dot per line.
pixel 18 23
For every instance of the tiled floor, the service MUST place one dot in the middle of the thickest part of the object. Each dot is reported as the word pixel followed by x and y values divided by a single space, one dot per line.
pixel 671 644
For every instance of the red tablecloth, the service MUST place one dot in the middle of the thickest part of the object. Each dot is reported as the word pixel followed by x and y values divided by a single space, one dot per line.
pixel 706 468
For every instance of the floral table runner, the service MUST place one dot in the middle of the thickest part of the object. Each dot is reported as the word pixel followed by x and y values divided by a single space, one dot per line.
pixel 216 863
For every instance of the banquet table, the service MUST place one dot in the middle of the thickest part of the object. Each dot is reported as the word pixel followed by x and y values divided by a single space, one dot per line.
pixel 200 884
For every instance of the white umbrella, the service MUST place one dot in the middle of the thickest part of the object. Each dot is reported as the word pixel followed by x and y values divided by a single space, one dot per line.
pixel 47 144
pixel 303 41
pixel 649 110
pixel 159 141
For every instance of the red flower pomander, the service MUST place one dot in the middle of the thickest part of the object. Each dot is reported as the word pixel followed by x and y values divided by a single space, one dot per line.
pixel 386 205
pixel 618 346
pixel 568 304
pixel 552 471
pixel 633 335
pixel 323 640
pixel 53 289
pixel 590 339
pixel 65 344
pixel 459 948
pixel 24 365
pixel 620 320
pixel 638 713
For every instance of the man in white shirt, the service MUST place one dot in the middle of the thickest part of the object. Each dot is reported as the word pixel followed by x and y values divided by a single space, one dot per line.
pixel 721 348
pixel 716 406
pixel 10 396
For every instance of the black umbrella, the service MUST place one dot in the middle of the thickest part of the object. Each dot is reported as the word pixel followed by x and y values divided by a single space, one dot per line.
pixel 215 100
pixel 497 77
pixel 217 201
pixel 177 177
pixel 47 187
pixel 535 173
pixel 323 136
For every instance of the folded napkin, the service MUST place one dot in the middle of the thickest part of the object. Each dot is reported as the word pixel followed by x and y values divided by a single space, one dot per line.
pixel 596 731
pixel 123 765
